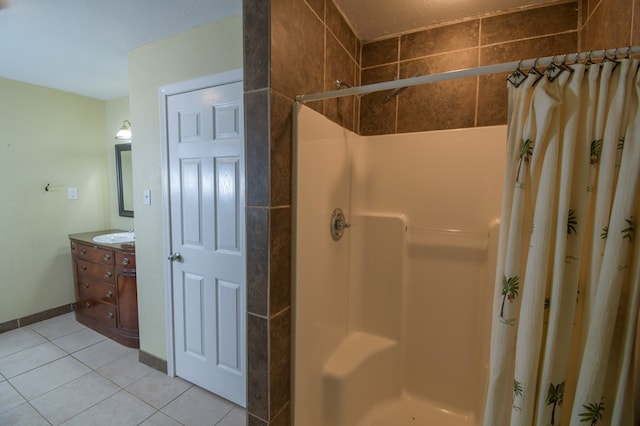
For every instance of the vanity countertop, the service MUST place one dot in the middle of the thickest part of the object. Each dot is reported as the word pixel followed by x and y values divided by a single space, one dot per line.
pixel 87 237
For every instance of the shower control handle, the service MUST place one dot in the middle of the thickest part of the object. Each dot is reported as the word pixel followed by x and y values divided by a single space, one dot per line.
pixel 338 224
pixel 341 224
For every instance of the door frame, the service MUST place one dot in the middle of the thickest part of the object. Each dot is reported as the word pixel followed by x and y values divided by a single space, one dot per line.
pixel 227 77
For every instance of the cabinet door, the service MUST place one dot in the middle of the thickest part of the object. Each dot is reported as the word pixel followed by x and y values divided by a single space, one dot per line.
pixel 127 303
pixel 103 312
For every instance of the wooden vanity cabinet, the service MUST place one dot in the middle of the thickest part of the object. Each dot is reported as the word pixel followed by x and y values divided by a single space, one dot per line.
pixel 105 286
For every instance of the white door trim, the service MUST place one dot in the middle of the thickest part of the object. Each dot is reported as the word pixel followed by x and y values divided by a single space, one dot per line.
pixel 163 93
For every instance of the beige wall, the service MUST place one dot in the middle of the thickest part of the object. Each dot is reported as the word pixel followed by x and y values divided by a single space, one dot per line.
pixel 209 49
pixel 116 111
pixel 56 138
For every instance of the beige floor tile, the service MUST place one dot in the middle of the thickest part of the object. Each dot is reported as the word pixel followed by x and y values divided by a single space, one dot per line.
pixel 68 400
pixel 19 340
pixel 158 389
pixel 102 353
pixel 198 407
pixel 78 340
pixel 121 408
pixel 160 419
pixel 87 387
pixel 9 398
pixel 25 415
pixel 237 417
pixel 56 327
pixel 126 370
pixel 48 377
pixel 28 359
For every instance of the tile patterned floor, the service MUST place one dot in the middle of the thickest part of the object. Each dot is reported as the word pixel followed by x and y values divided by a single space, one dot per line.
pixel 59 372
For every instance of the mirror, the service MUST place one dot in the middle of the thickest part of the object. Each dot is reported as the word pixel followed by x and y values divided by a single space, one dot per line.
pixel 124 179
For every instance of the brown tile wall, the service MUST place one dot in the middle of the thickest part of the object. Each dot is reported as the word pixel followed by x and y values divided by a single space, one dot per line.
pixel 468 102
pixel 607 24
pixel 291 47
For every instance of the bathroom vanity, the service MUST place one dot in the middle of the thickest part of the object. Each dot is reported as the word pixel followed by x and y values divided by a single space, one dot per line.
pixel 104 277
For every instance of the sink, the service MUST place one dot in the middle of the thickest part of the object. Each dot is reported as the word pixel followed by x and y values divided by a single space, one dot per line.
pixel 116 237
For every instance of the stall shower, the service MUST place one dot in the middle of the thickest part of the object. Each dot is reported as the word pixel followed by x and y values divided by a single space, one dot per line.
pixel 392 319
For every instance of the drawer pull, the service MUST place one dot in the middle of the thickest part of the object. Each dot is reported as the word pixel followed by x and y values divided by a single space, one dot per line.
pixel 110 315
pixel 109 293
pixel 87 305
pixel 83 267
pixel 83 251
pixel 86 285
pixel 125 261
pixel 106 257
pixel 108 274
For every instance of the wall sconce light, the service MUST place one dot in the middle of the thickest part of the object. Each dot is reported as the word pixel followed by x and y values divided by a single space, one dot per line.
pixel 124 133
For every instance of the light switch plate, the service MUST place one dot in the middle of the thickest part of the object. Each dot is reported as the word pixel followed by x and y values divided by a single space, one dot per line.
pixel 72 193
pixel 147 197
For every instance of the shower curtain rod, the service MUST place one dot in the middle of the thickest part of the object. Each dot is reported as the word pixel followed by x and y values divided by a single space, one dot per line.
pixel 469 72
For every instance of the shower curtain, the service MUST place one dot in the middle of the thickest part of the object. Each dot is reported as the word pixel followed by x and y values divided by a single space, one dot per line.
pixel 564 346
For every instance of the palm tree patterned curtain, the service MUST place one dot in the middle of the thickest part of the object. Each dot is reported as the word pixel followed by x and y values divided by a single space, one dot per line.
pixel 564 343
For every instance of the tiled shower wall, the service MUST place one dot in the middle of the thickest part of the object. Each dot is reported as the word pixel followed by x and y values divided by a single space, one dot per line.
pixel 467 102
pixel 609 24
pixel 291 47
pixel 481 101
pixel 296 47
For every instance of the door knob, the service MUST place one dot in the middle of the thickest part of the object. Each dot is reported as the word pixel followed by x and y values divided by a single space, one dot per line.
pixel 175 257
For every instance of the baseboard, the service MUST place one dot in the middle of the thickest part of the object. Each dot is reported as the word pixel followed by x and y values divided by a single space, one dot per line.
pixel 152 361
pixel 39 316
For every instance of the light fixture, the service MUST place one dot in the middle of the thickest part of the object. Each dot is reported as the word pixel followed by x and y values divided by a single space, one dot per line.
pixel 124 133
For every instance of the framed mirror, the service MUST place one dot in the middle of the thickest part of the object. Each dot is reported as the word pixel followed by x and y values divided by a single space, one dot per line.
pixel 124 179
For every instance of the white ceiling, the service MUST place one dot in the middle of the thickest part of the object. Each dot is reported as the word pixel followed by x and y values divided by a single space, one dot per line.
pixel 81 46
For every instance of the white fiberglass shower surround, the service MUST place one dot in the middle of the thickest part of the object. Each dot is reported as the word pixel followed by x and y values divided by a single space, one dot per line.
pixel 392 321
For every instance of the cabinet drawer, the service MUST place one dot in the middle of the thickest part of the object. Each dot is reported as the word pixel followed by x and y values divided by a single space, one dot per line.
pixel 74 248
pixel 125 260
pixel 95 290
pixel 102 312
pixel 95 253
pixel 94 271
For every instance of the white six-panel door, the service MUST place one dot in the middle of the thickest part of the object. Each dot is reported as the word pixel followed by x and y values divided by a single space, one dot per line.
pixel 206 195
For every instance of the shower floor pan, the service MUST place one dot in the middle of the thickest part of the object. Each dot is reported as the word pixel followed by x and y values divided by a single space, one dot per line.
pixel 409 410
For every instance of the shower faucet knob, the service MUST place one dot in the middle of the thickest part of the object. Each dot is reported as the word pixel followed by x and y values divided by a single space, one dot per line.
pixel 341 224
pixel 338 224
